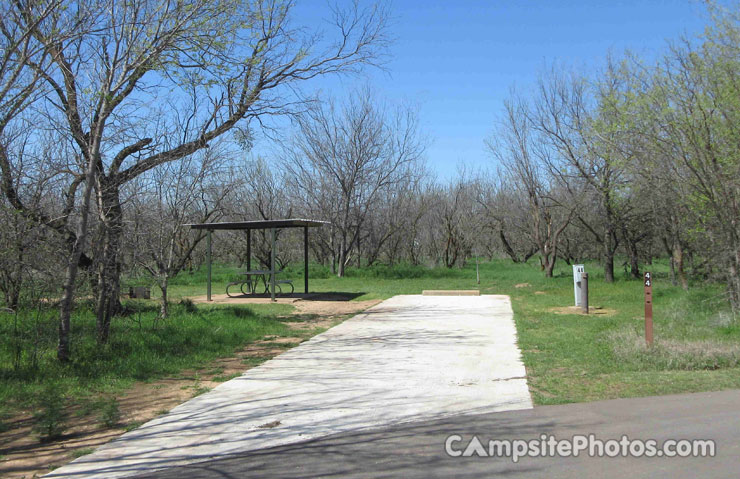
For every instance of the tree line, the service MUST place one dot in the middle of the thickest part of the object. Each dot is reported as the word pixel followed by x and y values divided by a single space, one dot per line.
pixel 640 159
pixel 121 122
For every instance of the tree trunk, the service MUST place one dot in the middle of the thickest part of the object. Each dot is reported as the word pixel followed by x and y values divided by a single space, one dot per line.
pixel 12 297
pixel 550 266
pixel 609 267
pixel 609 257
pixel 359 255
pixel 678 260
pixel 70 276
pixel 68 292
pixel 669 251
pixel 451 251
pixel 342 256
pixel 14 283
pixel 109 274
pixel 610 237
pixel 634 260
pixel 164 309
pixel 507 247
pixel 13 292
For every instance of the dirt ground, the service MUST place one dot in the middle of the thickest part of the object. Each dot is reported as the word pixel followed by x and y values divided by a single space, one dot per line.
pixel 592 310
pixel 23 456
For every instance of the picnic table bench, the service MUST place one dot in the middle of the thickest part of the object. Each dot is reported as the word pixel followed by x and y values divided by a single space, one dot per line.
pixel 251 283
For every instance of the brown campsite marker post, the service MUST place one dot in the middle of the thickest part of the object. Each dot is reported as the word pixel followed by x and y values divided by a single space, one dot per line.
pixel 584 293
pixel 649 308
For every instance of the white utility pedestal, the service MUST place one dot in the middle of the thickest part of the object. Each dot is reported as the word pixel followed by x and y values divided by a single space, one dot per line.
pixel 578 270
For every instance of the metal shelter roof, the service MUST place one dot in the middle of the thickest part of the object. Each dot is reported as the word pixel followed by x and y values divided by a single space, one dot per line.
pixel 259 225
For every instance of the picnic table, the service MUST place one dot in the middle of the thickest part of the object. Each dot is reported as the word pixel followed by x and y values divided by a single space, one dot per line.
pixel 251 283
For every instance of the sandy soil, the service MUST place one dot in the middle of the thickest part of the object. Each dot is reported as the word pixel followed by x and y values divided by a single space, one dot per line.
pixel 592 310
pixel 333 308
pixel 23 456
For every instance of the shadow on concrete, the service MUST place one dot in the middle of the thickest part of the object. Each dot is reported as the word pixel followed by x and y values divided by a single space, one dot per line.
pixel 417 449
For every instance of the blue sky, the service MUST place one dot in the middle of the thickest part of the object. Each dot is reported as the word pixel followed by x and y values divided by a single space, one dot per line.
pixel 459 59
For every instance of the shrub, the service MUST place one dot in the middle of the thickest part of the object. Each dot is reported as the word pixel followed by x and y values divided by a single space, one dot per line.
pixel 188 305
pixel 82 452
pixel 51 416
pixel 110 412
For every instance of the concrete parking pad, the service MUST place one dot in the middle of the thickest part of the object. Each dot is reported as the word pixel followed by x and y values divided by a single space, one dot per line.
pixel 407 359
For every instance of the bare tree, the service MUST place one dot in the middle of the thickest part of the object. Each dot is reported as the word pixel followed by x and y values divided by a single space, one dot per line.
pixel 261 195
pixel 588 160
pixel 25 65
pixel 343 158
pixel 459 219
pixel 525 161
pixel 163 201
pixel 216 64
pixel 506 217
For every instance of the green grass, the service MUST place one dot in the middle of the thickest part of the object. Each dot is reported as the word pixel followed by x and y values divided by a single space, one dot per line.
pixel 225 377
pixel 81 452
pixel 572 358
pixel 133 425
pixel 569 358
pixel 142 348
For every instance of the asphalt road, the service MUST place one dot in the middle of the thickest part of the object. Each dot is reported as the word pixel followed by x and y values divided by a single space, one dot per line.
pixel 417 450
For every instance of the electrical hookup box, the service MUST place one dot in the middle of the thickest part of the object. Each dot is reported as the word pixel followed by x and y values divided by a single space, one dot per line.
pixel 578 270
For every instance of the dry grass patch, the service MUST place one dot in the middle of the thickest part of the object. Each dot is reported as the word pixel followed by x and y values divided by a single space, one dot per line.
pixel 674 354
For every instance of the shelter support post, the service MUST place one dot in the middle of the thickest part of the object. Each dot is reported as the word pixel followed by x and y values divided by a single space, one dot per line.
pixel 249 250
pixel 272 263
pixel 208 261
pixel 305 259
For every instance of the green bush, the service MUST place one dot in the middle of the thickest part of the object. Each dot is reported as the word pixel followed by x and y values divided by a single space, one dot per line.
pixel 51 415
pixel 401 271
pixel 110 412
pixel 188 305
pixel 315 271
